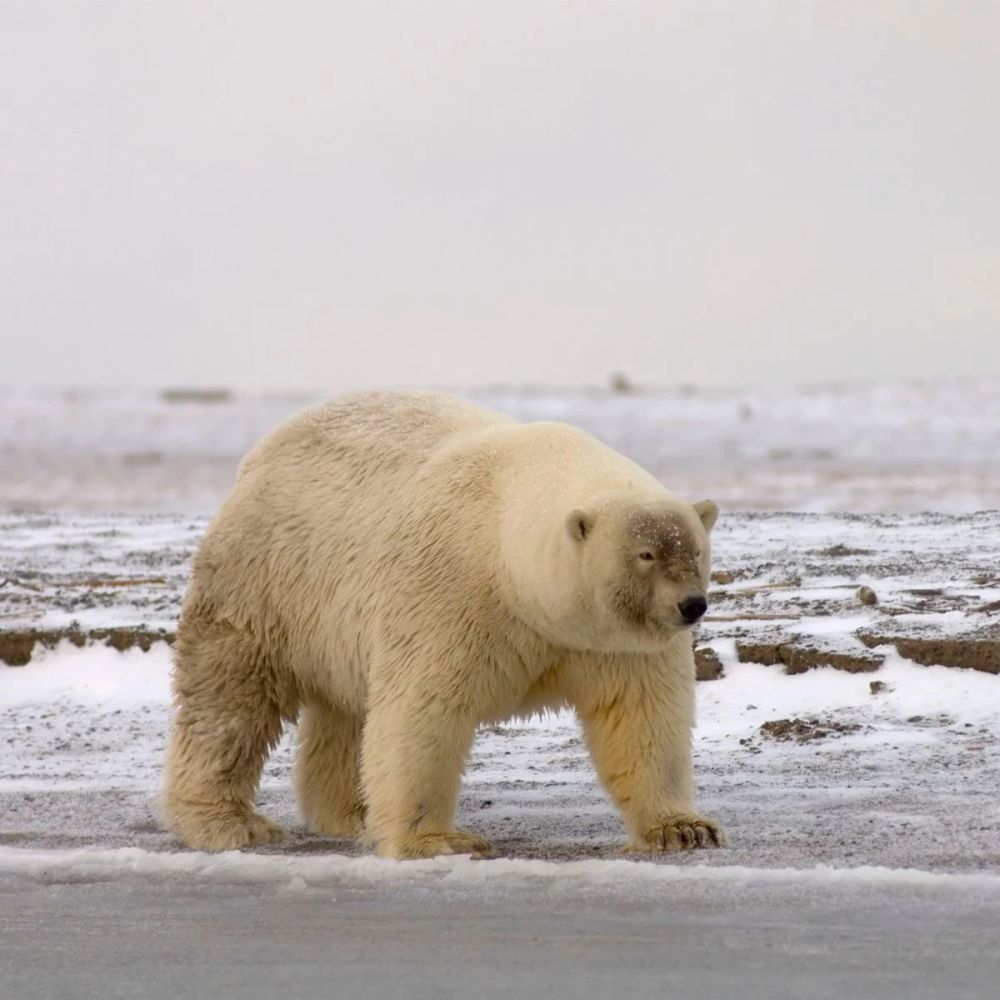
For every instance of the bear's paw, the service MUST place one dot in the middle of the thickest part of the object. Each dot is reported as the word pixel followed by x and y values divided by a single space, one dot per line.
pixel 431 845
pixel 331 823
pixel 681 832
pixel 210 830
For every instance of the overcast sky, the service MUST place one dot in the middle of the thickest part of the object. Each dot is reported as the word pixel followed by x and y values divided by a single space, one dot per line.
pixel 332 194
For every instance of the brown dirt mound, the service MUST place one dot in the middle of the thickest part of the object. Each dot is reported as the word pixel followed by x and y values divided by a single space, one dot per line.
pixel 798 655
pixel 977 650
pixel 805 730
pixel 16 646
pixel 708 666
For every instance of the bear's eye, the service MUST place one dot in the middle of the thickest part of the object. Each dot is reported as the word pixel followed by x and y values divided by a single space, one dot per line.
pixel 646 555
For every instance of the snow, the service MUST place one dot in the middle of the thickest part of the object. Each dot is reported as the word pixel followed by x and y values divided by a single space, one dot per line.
pixel 67 690
pixel 250 926
pixel 901 793
pixel 83 732
pixel 298 873
pixel 969 695
pixel 866 447
pixel 90 677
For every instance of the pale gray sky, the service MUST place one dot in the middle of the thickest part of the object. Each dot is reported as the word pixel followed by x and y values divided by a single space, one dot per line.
pixel 332 194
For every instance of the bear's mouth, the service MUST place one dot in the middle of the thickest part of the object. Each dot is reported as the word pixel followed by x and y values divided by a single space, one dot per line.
pixel 634 608
pixel 676 623
pixel 666 623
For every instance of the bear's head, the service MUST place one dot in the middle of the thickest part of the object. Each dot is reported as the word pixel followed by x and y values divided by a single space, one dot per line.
pixel 642 568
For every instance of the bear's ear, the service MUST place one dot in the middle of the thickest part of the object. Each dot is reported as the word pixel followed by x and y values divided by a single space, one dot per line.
pixel 579 524
pixel 707 512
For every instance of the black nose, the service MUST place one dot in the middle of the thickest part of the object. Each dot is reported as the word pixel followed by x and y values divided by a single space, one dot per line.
pixel 692 608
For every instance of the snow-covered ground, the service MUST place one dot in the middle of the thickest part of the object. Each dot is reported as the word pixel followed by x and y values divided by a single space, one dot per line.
pixel 861 807
pixel 866 863
pixel 868 447
pixel 904 779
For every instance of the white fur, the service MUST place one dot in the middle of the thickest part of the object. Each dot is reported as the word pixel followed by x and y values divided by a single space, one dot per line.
pixel 404 567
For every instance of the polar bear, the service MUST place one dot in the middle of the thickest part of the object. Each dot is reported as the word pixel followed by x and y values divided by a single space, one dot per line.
pixel 397 569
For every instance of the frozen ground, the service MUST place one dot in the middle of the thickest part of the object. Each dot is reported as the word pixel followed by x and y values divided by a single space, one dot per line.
pixel 817 897
pixel 871 447
pixel 864 827
pixel 864 864
pixel 118 931
pixel 801 768
pixel 913 786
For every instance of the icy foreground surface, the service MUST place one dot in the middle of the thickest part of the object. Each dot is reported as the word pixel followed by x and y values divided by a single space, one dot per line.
pixel 872 447
pixel 302 932
pixel 864 865
pixel 913 786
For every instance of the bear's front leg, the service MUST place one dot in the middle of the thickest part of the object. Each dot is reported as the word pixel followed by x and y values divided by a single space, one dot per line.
pixel 638 728
pixel 414 755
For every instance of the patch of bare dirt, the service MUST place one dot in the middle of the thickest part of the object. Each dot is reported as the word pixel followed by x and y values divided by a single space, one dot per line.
pixel 976 650
pixel 196 394
pixel 798 654
pixel 838 551
pixel 708 666
pixel 17 645
pixel 806 730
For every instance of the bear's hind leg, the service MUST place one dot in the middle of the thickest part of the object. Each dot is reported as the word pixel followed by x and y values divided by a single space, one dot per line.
pixel 229 706
pixel 328 770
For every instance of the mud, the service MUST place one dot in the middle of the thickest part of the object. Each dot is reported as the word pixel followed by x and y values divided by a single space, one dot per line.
pixel 806 730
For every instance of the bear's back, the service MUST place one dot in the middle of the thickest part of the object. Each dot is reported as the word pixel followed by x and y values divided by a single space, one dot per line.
pixel 369 433
pixel 319 500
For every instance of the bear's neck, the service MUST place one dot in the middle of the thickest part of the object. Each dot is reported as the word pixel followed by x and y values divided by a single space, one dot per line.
pixel 538 590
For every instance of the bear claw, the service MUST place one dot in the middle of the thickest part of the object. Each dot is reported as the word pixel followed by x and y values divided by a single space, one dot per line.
pixel 682 832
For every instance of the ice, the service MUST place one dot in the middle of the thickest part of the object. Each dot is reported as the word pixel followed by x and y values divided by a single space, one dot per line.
pixel 296 872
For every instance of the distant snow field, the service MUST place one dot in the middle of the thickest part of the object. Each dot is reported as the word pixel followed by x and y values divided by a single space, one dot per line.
pixel 871 447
